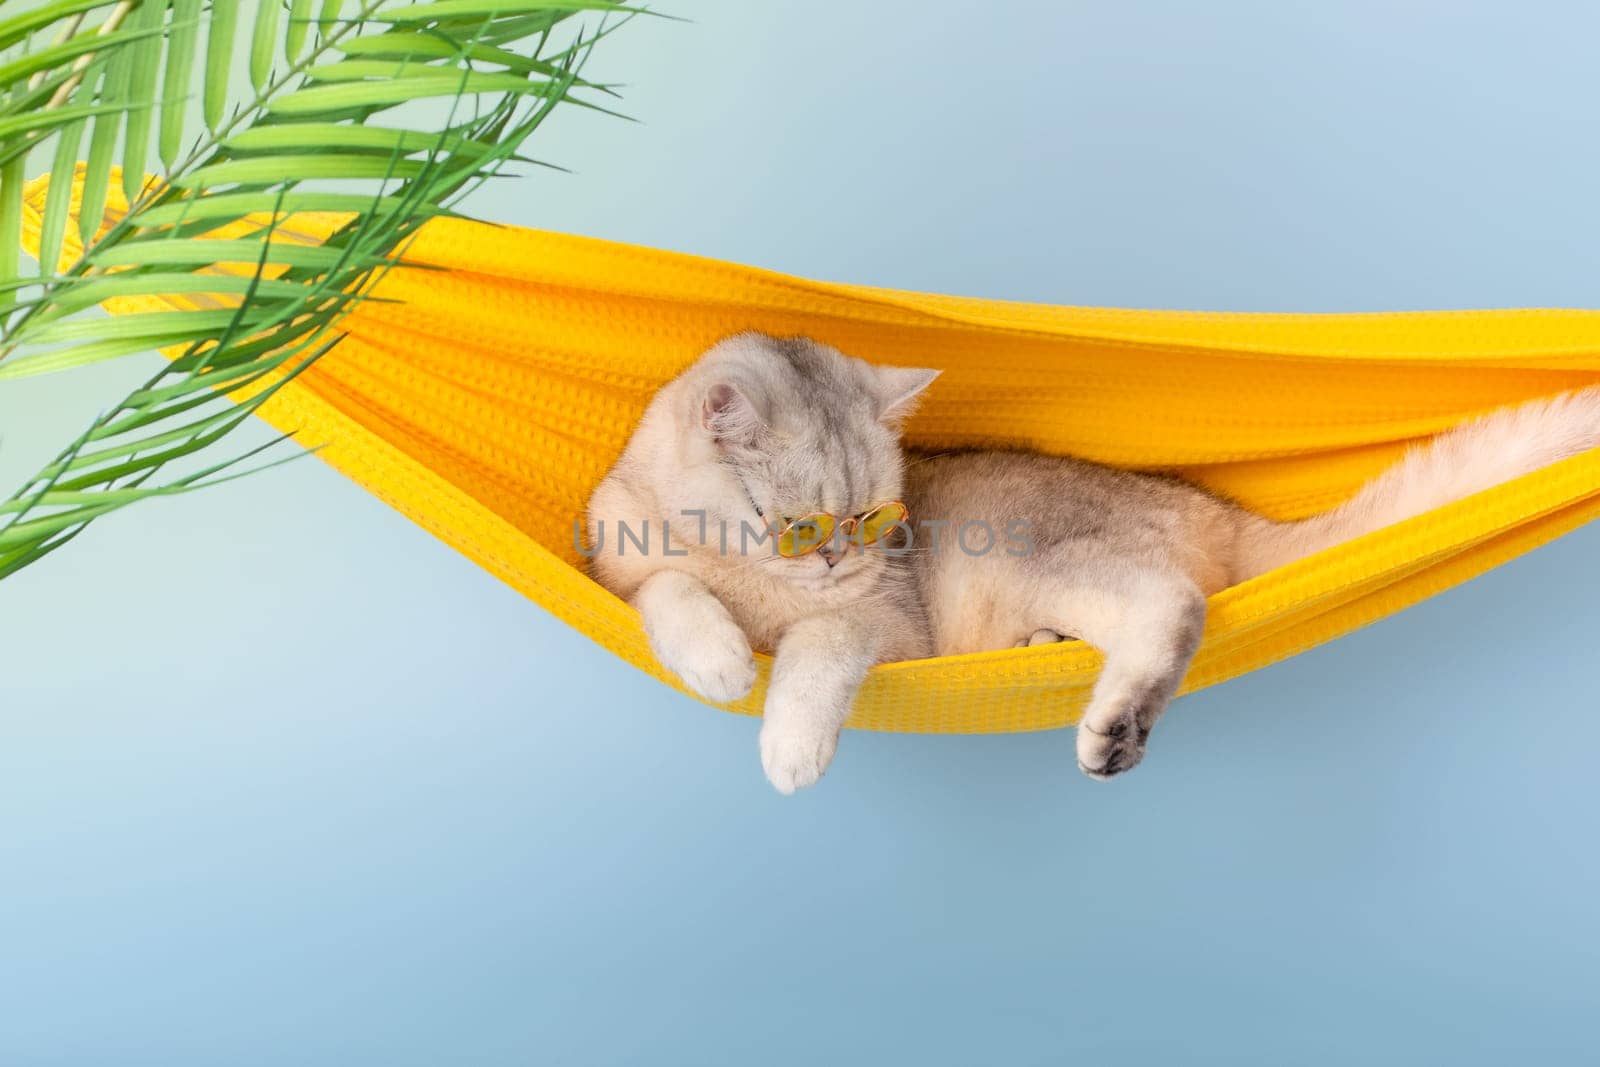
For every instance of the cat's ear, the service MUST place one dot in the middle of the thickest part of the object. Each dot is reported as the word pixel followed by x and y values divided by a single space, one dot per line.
pixel 898 390
pixel 729 415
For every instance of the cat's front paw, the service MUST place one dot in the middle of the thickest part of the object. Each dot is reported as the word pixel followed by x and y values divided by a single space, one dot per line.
pixel 794 752
pixel 714 660
pixel 1107 749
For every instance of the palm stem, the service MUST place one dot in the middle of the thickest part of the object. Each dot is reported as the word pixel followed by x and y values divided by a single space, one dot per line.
pixel 81 64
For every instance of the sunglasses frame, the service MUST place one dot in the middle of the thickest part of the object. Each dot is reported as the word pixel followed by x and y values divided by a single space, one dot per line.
pixel 850 524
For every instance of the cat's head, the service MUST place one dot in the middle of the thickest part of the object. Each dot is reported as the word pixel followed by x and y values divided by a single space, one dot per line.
pixel 789 427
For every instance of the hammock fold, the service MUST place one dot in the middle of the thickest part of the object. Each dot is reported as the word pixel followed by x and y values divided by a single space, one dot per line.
pixel 485 398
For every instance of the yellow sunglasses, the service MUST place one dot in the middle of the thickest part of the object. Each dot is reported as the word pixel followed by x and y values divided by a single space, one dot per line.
pixel 804 536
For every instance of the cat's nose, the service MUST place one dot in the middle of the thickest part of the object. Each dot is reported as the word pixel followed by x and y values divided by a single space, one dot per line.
pixel 830 555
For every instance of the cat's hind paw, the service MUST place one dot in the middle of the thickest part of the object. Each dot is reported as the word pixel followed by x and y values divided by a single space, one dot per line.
pixel 1106 750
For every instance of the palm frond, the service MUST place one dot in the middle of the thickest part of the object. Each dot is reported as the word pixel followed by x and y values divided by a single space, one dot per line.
pixel 323 116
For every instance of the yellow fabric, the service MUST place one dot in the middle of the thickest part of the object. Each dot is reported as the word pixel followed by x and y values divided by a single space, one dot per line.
pixel 488 400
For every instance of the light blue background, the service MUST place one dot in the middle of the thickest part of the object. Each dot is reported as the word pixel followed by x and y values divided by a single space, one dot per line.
pixel 348 800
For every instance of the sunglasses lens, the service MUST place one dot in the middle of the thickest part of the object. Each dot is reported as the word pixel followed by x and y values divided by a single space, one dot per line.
pixel 878 522
pixel 806 535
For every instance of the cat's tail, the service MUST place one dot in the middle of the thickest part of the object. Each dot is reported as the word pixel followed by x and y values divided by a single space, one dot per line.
pixel 1468 459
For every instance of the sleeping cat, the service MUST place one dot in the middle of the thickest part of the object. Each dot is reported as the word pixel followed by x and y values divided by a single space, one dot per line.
pixel 765 436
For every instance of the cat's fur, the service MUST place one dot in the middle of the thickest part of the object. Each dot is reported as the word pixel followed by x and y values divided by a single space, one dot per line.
pixel 1122 560
pixel 803 429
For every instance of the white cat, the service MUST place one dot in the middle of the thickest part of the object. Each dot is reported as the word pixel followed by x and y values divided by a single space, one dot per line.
pixel 762 431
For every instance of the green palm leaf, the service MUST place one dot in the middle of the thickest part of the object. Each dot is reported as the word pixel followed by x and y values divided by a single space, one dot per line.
pixel 263 42
pixel 20 27
pixel 106 79
pixel 219 58
pixel 56 56
pixel 144 64
pixel 294 41
pixel 103 142
pixel 180 68
pixel 10 225
pixel 57 199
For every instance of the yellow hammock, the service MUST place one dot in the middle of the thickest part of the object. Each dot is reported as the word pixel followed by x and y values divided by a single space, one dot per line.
pixel 488 402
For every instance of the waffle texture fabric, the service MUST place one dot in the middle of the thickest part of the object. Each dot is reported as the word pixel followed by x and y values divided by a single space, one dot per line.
pixel 485 396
